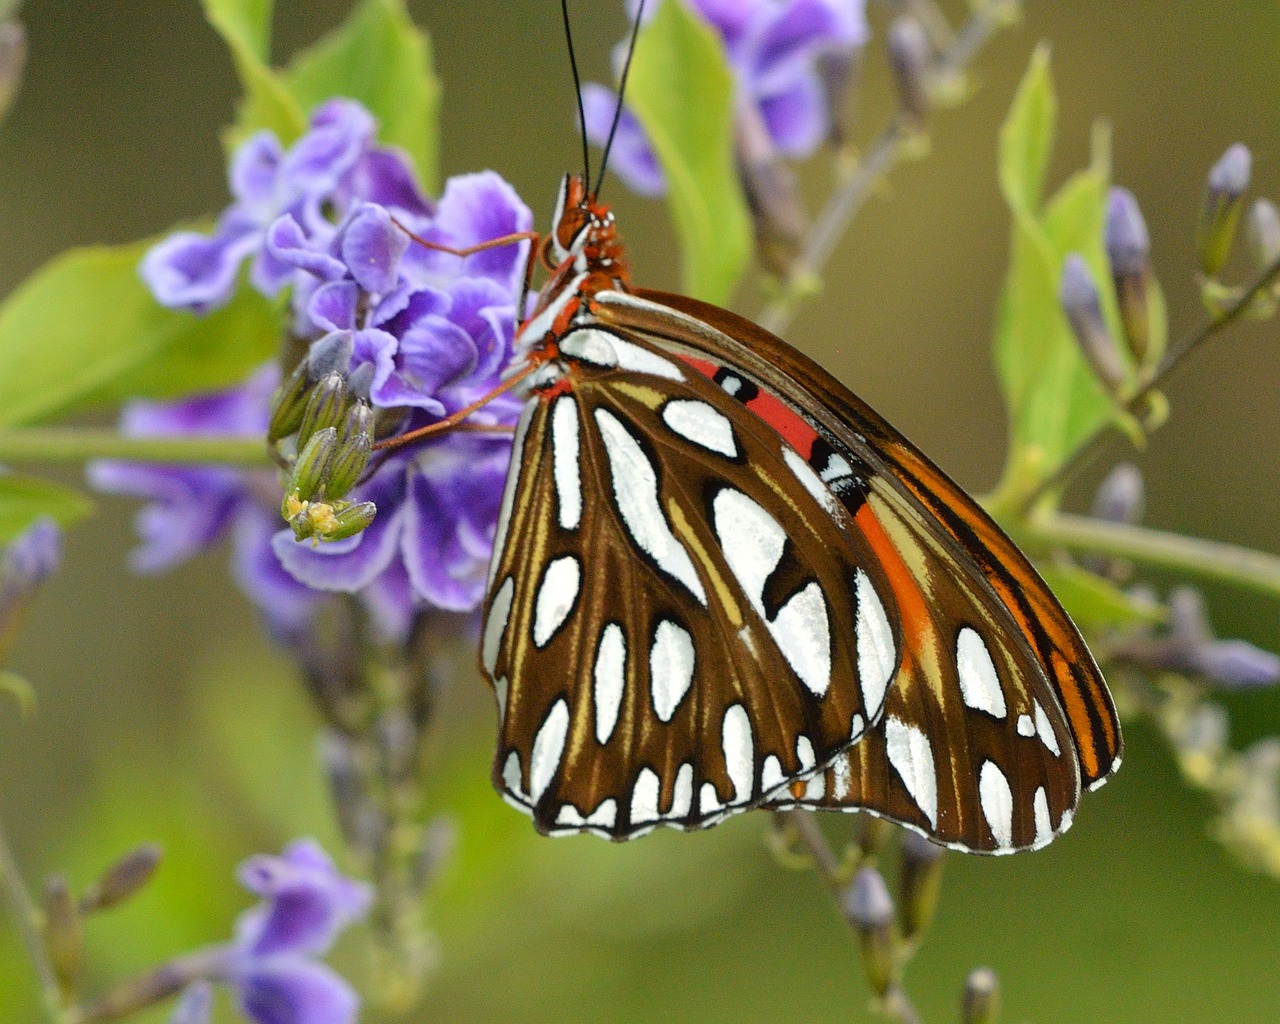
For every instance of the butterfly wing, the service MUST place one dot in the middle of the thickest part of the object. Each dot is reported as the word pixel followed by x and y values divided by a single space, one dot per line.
pixel 665 627
pixel 998 714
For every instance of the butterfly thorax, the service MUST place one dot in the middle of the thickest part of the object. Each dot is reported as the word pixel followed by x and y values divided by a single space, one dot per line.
pixel 585 257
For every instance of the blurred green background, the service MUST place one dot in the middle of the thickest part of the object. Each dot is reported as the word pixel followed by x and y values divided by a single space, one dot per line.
pixel 164 716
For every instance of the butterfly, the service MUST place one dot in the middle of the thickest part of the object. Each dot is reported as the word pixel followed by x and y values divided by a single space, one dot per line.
pixel 721 581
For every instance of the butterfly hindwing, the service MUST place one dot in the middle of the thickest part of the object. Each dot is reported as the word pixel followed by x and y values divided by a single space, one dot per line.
pixel 981 631
pixel 671 586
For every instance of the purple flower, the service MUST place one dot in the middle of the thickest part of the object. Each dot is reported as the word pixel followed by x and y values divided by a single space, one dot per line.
pixel 774 48
pixel 428 333
pixel 270 966
pixel 25 562
pixel 193 508
pixel 320 176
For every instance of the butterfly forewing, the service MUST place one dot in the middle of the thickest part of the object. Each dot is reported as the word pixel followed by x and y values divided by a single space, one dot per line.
pixel 681 617
pixel 998 712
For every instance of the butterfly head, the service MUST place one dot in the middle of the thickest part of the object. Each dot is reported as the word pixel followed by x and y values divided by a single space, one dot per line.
pixel 584 233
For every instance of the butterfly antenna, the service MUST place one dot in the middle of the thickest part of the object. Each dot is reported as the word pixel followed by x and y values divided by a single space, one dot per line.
pixel 622 92
pixel 577 91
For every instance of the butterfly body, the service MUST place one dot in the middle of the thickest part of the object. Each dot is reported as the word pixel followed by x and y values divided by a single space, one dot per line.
pixel 721 581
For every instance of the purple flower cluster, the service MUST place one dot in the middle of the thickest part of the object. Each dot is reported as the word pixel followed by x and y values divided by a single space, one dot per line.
pixel 272 965
pixel 428 332
pixel 774 48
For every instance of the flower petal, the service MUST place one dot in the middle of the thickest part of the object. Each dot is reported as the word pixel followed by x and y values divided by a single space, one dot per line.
pixel 372 247
pixel 198 272
pixel 632 158
pixel 296 991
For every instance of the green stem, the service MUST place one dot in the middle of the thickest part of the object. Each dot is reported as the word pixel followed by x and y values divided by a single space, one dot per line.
pixel 1137 405
pixel 82 444
pixel 1207 559
pixel 28 919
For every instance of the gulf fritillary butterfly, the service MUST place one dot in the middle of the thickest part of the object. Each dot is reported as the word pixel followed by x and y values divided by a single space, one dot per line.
pixel 721 581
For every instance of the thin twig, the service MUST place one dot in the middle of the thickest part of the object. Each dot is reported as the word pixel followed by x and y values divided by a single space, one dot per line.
pixel 1138 404
pixel 27 918
pixel 896 1002
pixel 830 226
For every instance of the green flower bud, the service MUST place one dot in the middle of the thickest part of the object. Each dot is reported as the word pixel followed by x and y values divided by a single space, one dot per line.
pixel 869 908
pixel 921 883
pixel 1082 304
pixel 289 404
pixel 311 471
pixel 326 407
pixel 1220 210
pixel 910 56
pixel 348 465
pixel 1264 232
pixel 63 933
pixel 124 879
pixel 981 1001
pixel 351 520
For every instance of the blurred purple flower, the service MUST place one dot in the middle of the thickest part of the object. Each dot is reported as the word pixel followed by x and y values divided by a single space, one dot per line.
pixel 270 966
pixel 321 175
pixel 25 562
pixel 429 334
pixel 774 48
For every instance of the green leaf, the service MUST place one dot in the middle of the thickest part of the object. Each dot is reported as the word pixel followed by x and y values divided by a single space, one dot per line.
pixel 1026 139
pixel 20 690
pixel 84 328
pixel 267 103
pixel 1093 602
pixel 24 499
pixel 681 89
pixel 1053 396
pixel 382 59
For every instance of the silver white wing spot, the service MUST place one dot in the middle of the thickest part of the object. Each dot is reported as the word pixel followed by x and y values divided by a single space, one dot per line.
pixel 610 679
pixel 644 797
pixel 1044 729
pixel 877 654
pixel 739 753
pixel 671 663
pixel 979 683
pixel 912 758
pixel 811 481
pixel 682 795
pixel 548 748
pixel 752 542
pixel 1044 824
pixel 997 802
pixel 496 624
pixel 564 448
pixel 556 597
pixel 702 424
pixel 635 490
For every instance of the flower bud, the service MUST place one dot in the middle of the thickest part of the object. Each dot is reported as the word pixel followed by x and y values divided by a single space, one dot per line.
pixel 63 933
pixel 777 213
pixel 331 354
pixel 1120 496
pixel 351 520
pixel 1220 210
pixel 311 470
pixel 1129 251
pixel 921 883
pixel 838 73
pixel 359 420
pixel 910 56
pixel 981 1002
pixel 289 404
pixel 124 879
pixel 873 833
pixel 1188 619
pixel 1236 665
pixel 26 562
pixel 347 465
pixel 360 381
pixel 869 908
pixel 326 406
pixel 1081 303
pixel 436 846
pixel 13 59
pixel 1264 232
